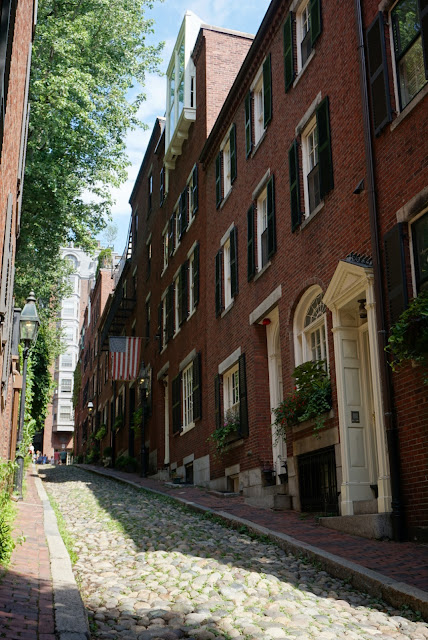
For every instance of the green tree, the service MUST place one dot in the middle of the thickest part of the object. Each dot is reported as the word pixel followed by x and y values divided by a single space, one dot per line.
pixel 87 57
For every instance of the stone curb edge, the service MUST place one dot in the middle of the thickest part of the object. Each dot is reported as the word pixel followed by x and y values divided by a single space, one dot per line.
pixel 398 594
pixel 71 621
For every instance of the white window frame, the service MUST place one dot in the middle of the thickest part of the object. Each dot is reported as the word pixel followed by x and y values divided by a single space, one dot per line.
pixel 190 200
pixel 165 248
pixel 65 413
pixel 261 204
pixel 68 309
pixel 396 74
pixel 303 17
pixel 226 168
pixel 176 304
pixel 231 390
pixel 164 343
pixel 191 271
pixel 227 283
pixel 302 334
pixel 257 92
pixel 62 390
pixel 187 397
pixel 309 133
pixel 66 366
pixel 176 226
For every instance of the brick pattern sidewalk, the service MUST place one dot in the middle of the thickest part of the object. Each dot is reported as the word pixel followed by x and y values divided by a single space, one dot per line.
pixel 26 597
pixel 405 562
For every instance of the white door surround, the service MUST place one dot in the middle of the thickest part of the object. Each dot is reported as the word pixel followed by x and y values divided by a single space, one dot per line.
pixel 166 413
pixel 350 296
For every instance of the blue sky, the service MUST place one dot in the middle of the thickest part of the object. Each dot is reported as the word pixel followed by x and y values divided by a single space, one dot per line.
pixel 243 16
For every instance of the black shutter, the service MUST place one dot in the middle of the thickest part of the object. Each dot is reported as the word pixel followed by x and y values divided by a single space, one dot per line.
pixel 171 228
pixel 162 186
pixel 423 12
pixel 248 126
pixel 218 293
pixel 293 169
pixel 267 91
pixel 233 262
pixel 196 275
pixel 378 74
pixel 183 212
pixel 160 326
pixel 6 267
pixel 316 23
pixel 176 404
pixel 251 260
pixel 395 272
pixel 271 227
pixel 195 198
pixel 232 144
pixel 288 52
pixel 218 180
pixel 197 388
pixel 243 405
pixel 325 161
pixel 217 402
pixel 170 312
pixel 184 300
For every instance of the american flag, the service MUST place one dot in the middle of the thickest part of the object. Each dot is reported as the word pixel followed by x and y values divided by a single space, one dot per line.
pixel 124 357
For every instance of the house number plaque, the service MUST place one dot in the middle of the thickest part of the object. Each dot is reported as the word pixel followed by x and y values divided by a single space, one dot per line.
pixel 355 416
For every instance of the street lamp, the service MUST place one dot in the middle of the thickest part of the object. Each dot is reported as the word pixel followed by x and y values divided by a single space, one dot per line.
pixel 28 327
pixel 143 384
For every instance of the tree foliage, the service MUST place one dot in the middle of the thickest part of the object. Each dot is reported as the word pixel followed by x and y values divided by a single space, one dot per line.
pixel 87 56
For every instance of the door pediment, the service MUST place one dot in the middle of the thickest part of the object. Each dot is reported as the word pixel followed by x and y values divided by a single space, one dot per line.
pixel 348 281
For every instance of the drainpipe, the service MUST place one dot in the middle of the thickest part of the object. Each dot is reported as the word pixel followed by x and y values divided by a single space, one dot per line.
pixel 397 516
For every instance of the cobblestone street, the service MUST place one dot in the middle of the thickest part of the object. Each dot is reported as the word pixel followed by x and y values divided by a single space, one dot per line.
pixel 149 569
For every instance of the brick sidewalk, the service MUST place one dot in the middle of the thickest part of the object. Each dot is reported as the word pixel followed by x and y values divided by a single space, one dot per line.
pixel 26 597
pixel 405 562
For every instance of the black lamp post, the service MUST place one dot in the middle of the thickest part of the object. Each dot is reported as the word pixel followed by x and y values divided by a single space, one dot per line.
pixel 28 327
pixel 143 384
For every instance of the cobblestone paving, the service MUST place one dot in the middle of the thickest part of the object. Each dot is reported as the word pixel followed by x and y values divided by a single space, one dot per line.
pixel 149 570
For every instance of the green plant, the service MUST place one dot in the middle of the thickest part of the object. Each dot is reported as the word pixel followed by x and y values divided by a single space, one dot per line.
pixel 311 398
pixel 102 431
pixel 137 418
pixel 126 463
pixel 408 339
pixel 118 423
pixel 224 434
pixel 107 452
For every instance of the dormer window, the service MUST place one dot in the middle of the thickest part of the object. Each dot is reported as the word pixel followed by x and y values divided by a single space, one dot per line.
pixel 181 89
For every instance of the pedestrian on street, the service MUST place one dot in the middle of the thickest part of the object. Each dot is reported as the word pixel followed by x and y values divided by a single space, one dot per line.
pixel 63 457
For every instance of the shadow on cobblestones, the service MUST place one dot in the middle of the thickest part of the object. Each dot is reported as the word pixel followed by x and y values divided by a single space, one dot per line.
pixel 149 568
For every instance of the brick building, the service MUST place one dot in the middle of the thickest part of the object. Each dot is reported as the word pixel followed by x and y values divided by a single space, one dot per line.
pixel 294 229
pixel 17 25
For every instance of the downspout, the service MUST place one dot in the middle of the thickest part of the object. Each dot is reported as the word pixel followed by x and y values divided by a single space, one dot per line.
pixel 397 516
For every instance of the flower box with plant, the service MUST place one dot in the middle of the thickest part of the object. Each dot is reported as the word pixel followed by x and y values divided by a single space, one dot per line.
pixel 118 423
pixel 311 398
pixel 137 419
pixel 102 431
pixel 227 432
pixel 408 339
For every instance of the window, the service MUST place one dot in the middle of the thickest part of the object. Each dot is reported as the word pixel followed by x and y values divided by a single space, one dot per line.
pixel 310 167
pixel 261 240
pixel 308 29
pixel 69 334
pixel 72 261
pixel 193 193
pixel 193 274
pixel 186 396
pixel 67 360
pixel 149 257
pixel 420 251
pixel 165 247
pixel 408 50
pixel 66 384
pixel 258 106
pixel 310 327
pixel 226 165
pixel 226 272
pixel 235 404
pixel 68 309
pixel 231 391
pixel 150 193
pixel 177 300
pixel 65 413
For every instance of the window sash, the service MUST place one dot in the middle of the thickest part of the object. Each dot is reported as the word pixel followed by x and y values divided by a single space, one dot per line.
pixel 187 389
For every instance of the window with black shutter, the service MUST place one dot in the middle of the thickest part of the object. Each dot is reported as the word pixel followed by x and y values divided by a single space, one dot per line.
pixel 420 251
pixel 197 388
pixel 218 292
pixel 196 275
pixel 395 272
pixel 316 24
pixel 325 161
pixel 267 91
pixel 195 197
pixel 169 313
pixel 378 74
pixel 251 259
pixel 293 168
pixel 271 227
pixel 7 30
pixel 248 126
pixel 233 262
pixel 171 239
pixel 183 285
pixel 232 146
pixel 218 196
pixel 183 212
pixel 243 404
pixel 288 52
pixel 7 263
pixel 176 404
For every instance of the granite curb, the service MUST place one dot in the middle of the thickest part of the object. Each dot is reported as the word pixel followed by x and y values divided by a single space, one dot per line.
pixel 398 594
pixel 71 621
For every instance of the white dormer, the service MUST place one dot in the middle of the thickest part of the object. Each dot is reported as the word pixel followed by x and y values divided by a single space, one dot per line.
pixel 181 89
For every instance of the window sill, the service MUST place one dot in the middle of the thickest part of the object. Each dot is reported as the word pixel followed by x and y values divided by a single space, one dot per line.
pixel 188 428
pixel 262 270
pixel 412 104
pixel 315 212
pixel 163 270
pixel 189 224
pixel 303 69
pixel 225 199
pixel 228 308
pixel 256 146
pixel 192 313
pixel 176 332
